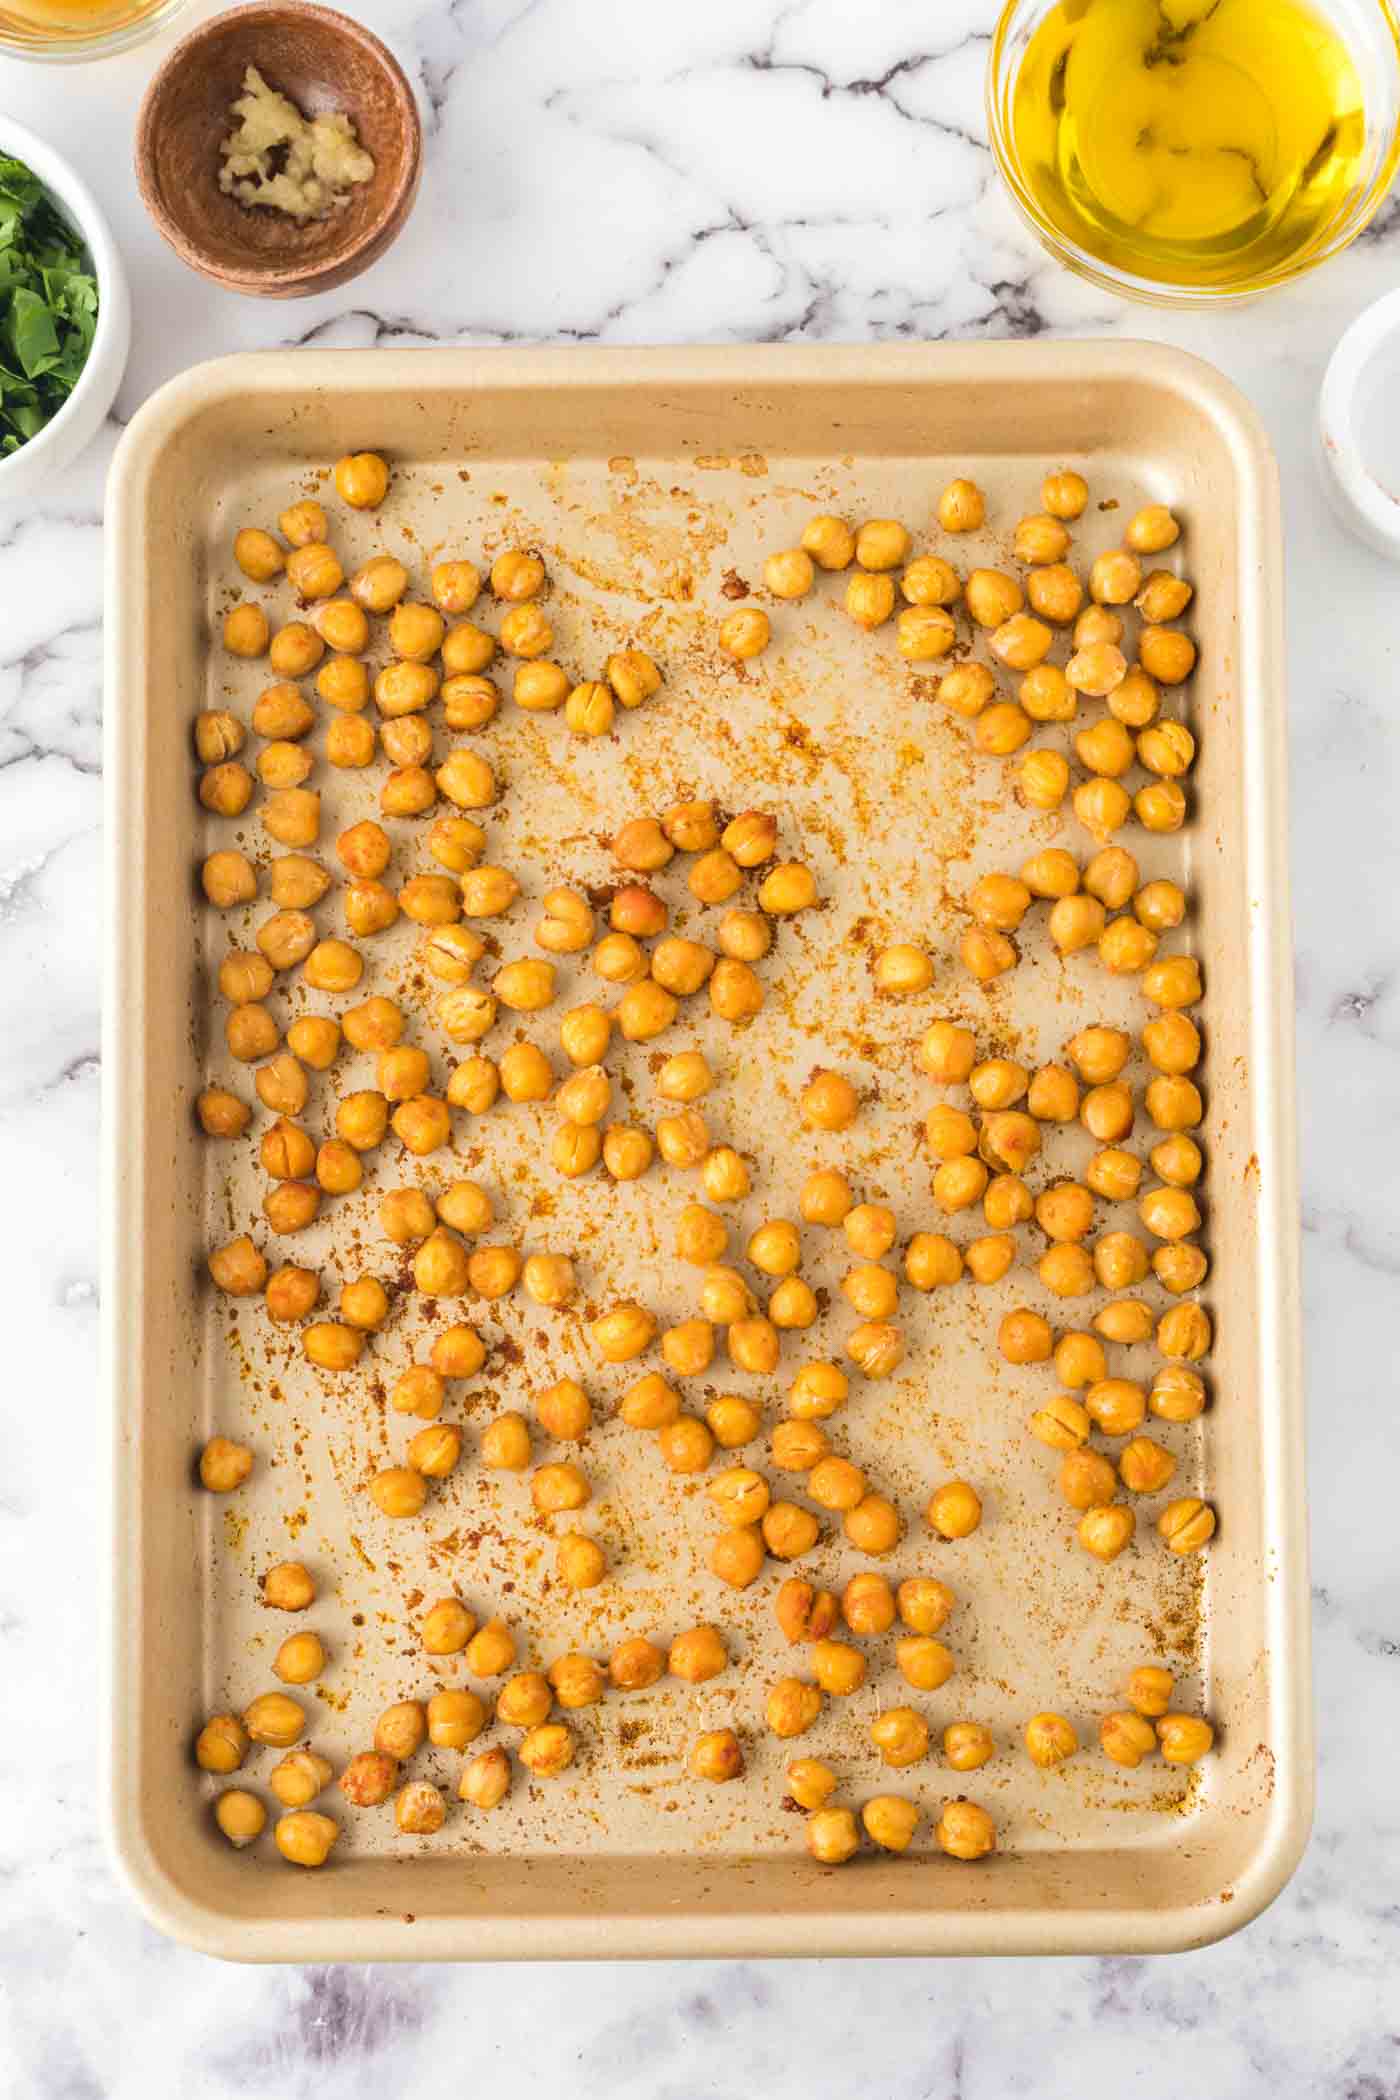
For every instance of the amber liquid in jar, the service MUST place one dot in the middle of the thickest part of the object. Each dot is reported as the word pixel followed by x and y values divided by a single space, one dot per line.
pixel 1195 142
pixel 44 25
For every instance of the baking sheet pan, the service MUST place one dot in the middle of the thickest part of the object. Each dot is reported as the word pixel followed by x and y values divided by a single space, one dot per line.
pixel 647 479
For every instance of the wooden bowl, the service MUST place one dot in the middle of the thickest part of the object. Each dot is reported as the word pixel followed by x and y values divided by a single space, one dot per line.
pixel 324 62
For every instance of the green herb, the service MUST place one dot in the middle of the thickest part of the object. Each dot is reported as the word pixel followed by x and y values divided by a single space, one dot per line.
pixel 48 306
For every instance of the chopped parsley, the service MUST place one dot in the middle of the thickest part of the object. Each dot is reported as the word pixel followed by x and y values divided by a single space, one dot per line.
pixel 48 306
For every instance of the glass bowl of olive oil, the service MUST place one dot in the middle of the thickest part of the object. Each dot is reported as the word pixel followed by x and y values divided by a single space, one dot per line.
pixel 1193 151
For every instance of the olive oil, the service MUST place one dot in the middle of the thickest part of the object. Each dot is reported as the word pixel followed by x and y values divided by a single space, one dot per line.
pixel 1200 143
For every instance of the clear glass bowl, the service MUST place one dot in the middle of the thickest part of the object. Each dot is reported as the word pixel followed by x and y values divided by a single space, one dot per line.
pixel 1371 30
pixel 33 28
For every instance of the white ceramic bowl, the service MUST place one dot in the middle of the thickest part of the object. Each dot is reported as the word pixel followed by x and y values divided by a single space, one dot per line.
pixel 1359 365
pixel 82 415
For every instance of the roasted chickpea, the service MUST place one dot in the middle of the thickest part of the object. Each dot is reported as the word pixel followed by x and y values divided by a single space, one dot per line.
pixel 276 1718
pixel 549 1750
pixel 224 1465
pixel 1126 1739
pixel 474 1085
pixel 447 1626
pixel 966 690
pixel 441 1266
pixel 932 1261
pixel 1185 1739
pixel 455 1719
pixel 960 1180
pixel 491 1652
pixel 836 1484
pixel 222 1744
pixel 304 1837
pixel 1145 1467
pixel 1002 729
pixel 873 1526
pixel 1163 597
pixel 299 1777
pixel 1166 654
pixel 505 1443
pixel 1125 1320
pixel 870 598
pixel 291 1205
pixel 923 633
pixel 420 1391
pixel 1160 806
pixel 817 1391
pixel 1087 1479
pixel 1114 1174
pixel 434 1452
pixel 1024 1337
pixel 362 480
pixel 828 1102
pixel 399 1492
pixel 1106 1532
pixel 1020 643
pixel 733 1421
pixel 1188 1524
pixel 226 789
pixel 745 634
pixel 900 1735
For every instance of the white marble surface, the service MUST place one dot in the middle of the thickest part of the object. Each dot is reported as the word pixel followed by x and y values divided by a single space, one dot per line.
pixel 636 170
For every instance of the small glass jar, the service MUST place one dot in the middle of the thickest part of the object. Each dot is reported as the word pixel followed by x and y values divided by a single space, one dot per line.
pixel 69 31
pixel 1370 29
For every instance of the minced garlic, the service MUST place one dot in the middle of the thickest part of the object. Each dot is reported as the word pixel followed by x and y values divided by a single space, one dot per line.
pixel 277 157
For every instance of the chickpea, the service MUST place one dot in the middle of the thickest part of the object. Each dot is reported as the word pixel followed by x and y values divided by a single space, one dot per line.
pixel 1160 806
pixel 420 1808
pixel 1125 1320
pixel 792 1706
pixel 1114 1174
pixel 221 1114
pixel 300 1659
pixel 1188 1524
pixel 1066 1270
pixel 398 1491
pixel 1056 593
pixel 1166 654
pixel 651 1403
pixel 1006 1202
pixel 295 650
pixel 803 1612
pixel 1107 1531
pixel 1126 1738
pixel 836 1484
pixel 954 1510
pixel 900 1735
pixel 890 1822
pixel 876 1348
pixel 448 1626
pixel 229 878
pixel 932 1261
pixel 282 1086
pixel 455 1719
pixel 1145 1467
pixel 222 1744
pixel 745 634
pixel 442 1266
pixel 1001 730
pixel 958 1183
pixel 505 1443
pixel 787 888
pixel 304 1837
pixel 929 580
pixel 274 1717
pixel 1087 1479
pixel 245 630
pixel 1025 1338
pixel 244 979
pixel 828 1102
pixel 682 1139
pixel 226 789
pixel 789 1531
pixel 420 1391
pixel 985 954
pixel 1163 597
pixel 871 1290
pixel 966 690
pixel 362 480
pixel 576 1149
pixel 350 742
pixel 962 507
pixel 409 791
pixel 737 1556
pixel 733 1421
pixel 870 599
pixel 817 1391
pixel 491 1651
pixel 1107 1111
pixel 1010 1140
pixel 299 1777
pixel 1020 643
pixel 867 1604
pixel 224 1465
pixel 923 633
pixel 1046 695
pixel 873 1526
pixel 1185 1739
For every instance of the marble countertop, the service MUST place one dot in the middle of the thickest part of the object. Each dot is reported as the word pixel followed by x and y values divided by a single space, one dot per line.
pixel 623 171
